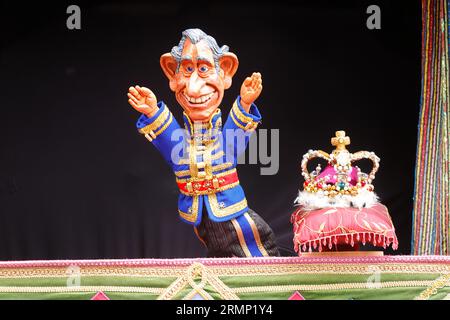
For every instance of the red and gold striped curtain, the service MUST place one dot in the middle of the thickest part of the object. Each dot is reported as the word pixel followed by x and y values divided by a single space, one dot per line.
pixel 431 199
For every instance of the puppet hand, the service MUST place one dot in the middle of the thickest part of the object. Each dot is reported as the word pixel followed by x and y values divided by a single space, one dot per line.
pixel 250 90
pixel 143 100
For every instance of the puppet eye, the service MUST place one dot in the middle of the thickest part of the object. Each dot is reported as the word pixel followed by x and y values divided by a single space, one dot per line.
pixel 189 69
pixel 203 69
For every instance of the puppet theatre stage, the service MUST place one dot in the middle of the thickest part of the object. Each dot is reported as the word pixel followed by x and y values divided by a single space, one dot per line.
pixel 424 275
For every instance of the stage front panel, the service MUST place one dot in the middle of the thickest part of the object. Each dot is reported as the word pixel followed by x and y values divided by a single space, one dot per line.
pixel 365 277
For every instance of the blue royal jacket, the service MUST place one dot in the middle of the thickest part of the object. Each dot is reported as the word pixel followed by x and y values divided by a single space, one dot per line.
pixel 203 157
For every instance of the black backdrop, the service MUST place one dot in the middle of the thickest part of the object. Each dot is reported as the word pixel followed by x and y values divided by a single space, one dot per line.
pixel 78 181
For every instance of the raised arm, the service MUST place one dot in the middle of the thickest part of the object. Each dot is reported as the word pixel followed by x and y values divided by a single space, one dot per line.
pixel 244 117
pixel 156 123
pixel 143 100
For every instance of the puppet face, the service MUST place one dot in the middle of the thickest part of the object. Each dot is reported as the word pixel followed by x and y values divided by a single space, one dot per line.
pixel 198 85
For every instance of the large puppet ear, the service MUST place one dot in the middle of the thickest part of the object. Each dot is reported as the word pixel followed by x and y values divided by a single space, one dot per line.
pixel 169 66
pixel 228 64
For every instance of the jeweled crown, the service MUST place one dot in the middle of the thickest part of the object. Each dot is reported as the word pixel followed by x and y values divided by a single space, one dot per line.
pixel 339 178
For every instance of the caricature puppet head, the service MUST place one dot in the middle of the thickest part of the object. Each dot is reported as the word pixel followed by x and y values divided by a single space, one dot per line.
pixel 199 72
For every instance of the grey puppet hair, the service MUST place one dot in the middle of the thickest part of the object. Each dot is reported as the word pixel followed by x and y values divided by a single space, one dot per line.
pixel 195 36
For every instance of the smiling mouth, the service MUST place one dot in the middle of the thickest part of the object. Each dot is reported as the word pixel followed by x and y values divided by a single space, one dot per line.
pixel 200 100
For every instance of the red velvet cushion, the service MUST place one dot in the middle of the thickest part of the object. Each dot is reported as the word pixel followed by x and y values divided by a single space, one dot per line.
pixel 323 228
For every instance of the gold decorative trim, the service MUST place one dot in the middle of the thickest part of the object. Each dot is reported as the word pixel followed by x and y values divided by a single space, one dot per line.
pixel 23 273
pixel 332 286
pixel 343 254
pixel 250 126
pixel 211 118
pixel 217 155
pixel 437 284
pixel 182 173
pixel 191 217
pixel 235 121
pixel 193 272
pixel 164 127
pixel 191 127
pixel 241 238
pixel 224 291
pixel 226 270
pixel 183 161
pixel 215 146
pixel 176 286
pixel 238 113
pixel 219 167
pixel 63 289
pixel 256 234
pixel 216 175
pixel 157 122
pixel 208 192
pixel 199 238
pixel 288 269
pixel 223 212
pixel 192 161
pixel 203 125
pixel 207 158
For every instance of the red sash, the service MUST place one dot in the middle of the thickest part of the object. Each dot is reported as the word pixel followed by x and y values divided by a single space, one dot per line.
pixel 208 186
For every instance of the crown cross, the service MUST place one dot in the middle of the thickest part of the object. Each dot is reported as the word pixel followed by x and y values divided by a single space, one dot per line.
pixel 340 140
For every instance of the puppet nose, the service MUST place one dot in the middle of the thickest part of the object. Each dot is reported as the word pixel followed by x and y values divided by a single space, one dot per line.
pixel 195 85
